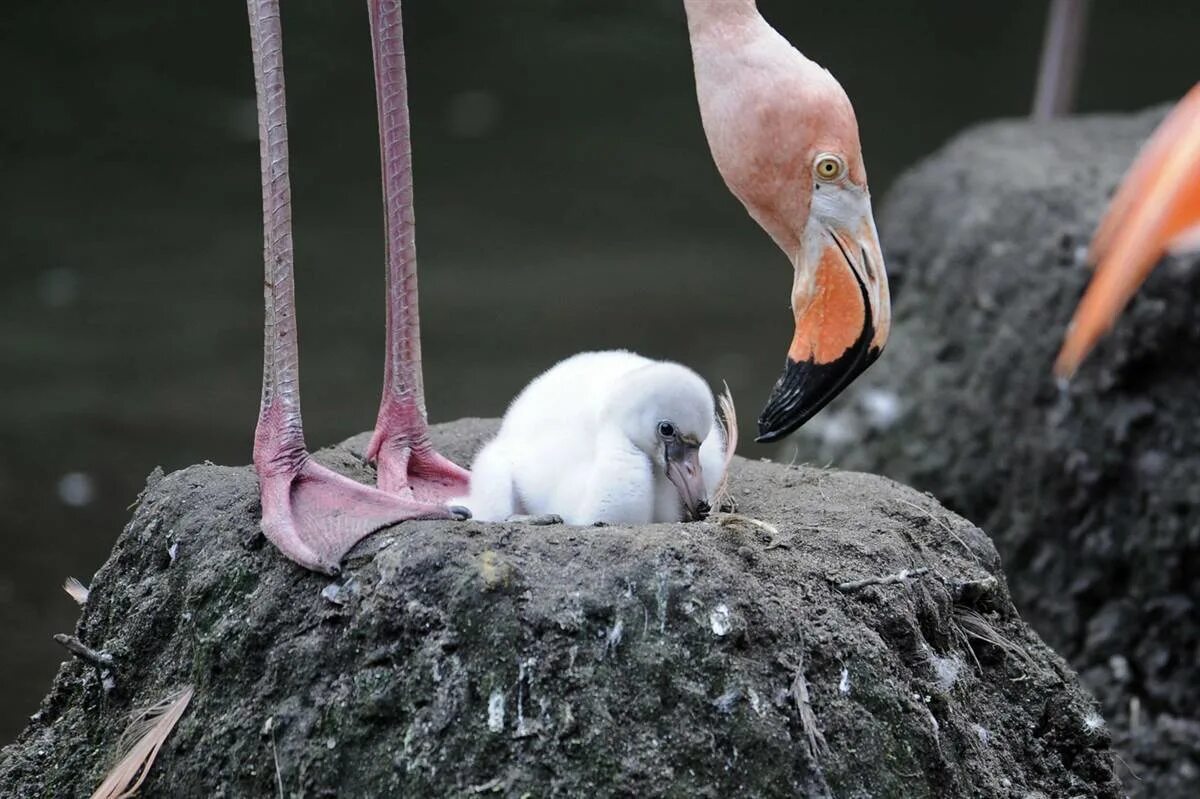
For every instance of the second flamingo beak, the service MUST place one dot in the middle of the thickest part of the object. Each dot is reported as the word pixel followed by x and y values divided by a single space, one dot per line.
pixel 842 311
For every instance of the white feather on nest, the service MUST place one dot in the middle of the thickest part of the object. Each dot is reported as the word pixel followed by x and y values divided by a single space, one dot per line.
pixel 140 743
pixel 728 420
pixel 77 590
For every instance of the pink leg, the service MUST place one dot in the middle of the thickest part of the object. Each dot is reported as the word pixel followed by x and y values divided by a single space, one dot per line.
pixel 408 464
pixel 1062 58
pixel 313 515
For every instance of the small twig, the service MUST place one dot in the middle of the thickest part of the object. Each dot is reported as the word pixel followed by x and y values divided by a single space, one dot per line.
pixel 888 579
pixel 152 479
pixel 268 729
pixel 817 745
pixel 974 625
pixel 926 513
pixel 729 519
pixel 98 658
pixel 494 784
pixel 775 542
pixel 1128 767
pixel 961 634
pixel 945 526
pixel 791 464
pixel 275 756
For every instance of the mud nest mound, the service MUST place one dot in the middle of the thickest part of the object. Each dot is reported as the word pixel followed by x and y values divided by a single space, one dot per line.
pixel 839 635
pixel 1091 491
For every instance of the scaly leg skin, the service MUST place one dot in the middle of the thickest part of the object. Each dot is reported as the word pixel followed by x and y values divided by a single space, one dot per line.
pixel 310 513
pixel 407 463
pixel 400 447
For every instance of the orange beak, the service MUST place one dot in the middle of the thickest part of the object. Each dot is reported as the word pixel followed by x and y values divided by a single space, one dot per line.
pixel 842 311
pixel 1156 210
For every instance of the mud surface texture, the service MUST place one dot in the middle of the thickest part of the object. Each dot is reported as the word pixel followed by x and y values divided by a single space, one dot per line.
pixel 1091 492
pixel 711 659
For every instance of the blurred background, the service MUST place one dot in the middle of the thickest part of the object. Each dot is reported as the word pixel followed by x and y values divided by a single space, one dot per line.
pixel 565 201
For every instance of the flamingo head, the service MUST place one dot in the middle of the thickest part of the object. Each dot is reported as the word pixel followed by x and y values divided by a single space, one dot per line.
pixel 785 139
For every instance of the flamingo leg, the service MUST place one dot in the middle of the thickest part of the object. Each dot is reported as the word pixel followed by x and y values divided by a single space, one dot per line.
pixel 1062 51
pixel 310 513
pixel 1155 211
pixel 407 463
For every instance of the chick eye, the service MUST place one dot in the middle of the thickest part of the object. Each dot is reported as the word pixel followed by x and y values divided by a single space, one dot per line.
pixel 829 167
pixel 666 430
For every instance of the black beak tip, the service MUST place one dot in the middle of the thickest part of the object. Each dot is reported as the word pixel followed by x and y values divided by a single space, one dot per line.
pixel 805 388
pixel 766 435
pixel 773 427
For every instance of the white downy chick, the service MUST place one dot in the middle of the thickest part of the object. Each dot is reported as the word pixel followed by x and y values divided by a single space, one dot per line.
pixel 604 437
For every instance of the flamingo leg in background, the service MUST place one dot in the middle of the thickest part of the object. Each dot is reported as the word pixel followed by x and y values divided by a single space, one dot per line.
pixel 1155 211
pixel 408 465
pixel 313 515
pixel 1062 58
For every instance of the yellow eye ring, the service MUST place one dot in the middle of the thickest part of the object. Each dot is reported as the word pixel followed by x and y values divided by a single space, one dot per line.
pixel 829 167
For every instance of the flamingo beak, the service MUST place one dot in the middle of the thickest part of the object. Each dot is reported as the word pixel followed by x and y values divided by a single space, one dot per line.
pixel 842 311
pixel 1156 210
pixel 685 473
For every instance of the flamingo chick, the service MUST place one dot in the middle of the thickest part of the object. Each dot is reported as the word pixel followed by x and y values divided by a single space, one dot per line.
pixel 605 437
pixel 784 137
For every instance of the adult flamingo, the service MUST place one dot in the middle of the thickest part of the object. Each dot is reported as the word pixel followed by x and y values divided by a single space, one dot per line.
pixel 784 137
pixel 313 515
pixel 1155 211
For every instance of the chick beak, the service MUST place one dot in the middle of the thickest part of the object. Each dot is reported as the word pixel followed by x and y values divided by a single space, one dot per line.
pixel 683 470
pixel 842 313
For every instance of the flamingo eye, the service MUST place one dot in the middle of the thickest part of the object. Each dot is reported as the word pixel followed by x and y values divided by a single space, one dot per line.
pixel 829 167
pixel 666 430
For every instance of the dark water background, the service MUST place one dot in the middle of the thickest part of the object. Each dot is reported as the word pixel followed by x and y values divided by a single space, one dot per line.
pixel 565 200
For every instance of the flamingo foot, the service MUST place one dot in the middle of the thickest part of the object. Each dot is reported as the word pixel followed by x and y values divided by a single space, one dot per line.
pixel 314 515
pixel 408 465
